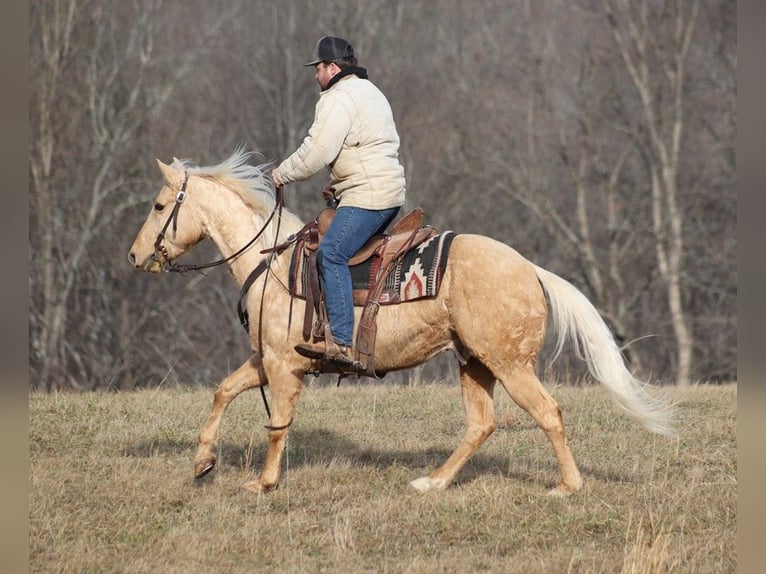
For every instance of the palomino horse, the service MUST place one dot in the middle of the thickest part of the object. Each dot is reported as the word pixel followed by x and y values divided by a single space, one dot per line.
pixel 491 310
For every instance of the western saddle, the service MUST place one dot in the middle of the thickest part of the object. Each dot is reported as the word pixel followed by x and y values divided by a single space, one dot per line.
pixel 404 235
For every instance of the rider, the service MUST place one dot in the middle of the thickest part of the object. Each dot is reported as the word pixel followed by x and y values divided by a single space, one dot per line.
pixel 355 137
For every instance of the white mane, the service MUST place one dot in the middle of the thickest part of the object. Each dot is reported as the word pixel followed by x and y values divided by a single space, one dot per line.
pixel 252 183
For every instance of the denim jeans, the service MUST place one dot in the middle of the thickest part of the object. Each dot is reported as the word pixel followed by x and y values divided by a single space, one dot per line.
pixel 349 230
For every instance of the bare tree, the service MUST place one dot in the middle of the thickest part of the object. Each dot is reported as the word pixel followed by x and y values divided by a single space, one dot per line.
pixel 91 86
pixel 654 43
pixel 595 137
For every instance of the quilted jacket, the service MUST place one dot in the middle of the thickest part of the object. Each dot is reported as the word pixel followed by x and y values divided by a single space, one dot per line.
pixel 354 136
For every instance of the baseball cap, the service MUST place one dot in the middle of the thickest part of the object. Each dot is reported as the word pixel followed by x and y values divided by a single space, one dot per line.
pixel 330 48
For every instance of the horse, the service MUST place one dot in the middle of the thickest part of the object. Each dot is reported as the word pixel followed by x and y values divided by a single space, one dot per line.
pixel 491 310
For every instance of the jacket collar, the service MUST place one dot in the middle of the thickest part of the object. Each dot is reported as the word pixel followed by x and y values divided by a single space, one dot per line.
pixel 357 71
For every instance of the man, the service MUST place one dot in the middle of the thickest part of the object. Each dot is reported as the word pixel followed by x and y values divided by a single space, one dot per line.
pixel 355 137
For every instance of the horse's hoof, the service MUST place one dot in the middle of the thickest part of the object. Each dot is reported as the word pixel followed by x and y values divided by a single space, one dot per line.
pixel 558 493
pixel 426 484
pixel 202 468
pixel 256 487
pixel 562 491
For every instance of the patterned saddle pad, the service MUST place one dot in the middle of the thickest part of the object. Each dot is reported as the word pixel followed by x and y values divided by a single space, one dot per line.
pixel 418 274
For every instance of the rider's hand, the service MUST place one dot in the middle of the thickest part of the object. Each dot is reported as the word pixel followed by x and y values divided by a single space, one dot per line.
pixel 328 192
pixel 275 179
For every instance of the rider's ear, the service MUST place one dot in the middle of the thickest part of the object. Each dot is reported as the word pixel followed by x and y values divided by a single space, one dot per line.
pixel 172 175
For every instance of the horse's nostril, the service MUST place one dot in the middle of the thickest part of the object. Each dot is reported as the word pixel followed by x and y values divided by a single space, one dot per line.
pixel 132 258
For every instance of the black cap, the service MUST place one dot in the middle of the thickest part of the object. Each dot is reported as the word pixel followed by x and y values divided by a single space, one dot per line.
pixel 329 49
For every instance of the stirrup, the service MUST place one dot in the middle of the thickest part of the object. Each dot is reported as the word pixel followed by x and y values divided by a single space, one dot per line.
pixel 343 355
pixel 340 354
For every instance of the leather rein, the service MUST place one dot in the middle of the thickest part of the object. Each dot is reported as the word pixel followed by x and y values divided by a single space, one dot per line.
pixel 167 262
pixel 169 265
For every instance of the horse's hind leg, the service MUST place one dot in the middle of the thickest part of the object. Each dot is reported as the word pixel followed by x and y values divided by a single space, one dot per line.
pixel 245 377
pixel 526 390
pixel 477 385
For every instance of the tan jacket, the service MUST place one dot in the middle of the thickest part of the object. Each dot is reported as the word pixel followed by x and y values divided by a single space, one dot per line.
pixel 355 137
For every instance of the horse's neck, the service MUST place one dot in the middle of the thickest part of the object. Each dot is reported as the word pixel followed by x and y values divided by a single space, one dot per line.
pixel 231 227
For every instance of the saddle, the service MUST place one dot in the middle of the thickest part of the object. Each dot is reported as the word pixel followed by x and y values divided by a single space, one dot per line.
pixel 386 250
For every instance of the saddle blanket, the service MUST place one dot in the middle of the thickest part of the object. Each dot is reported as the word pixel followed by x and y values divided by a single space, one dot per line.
pixel 418 274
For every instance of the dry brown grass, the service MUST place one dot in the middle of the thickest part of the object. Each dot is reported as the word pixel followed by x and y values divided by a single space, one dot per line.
pixel 111 486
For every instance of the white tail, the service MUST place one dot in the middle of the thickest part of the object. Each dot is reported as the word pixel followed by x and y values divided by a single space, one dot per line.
pixel 577 320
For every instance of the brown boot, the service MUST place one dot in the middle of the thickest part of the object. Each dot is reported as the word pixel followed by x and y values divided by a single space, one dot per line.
pixel 341 354
pixel 312 350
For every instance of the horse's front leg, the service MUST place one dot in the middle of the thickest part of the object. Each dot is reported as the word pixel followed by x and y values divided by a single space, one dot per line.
pixel 285 383
pixel 249 375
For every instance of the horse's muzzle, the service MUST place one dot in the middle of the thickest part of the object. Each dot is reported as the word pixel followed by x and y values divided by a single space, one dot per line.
pixel 149 264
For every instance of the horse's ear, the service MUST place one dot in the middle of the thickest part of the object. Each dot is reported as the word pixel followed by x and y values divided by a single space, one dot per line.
pixel 172 175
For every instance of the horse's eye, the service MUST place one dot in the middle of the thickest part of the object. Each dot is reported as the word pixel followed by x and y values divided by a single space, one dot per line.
pixel 158 207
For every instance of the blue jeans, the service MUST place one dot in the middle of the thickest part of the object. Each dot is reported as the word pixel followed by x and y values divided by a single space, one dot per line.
pixel 351 228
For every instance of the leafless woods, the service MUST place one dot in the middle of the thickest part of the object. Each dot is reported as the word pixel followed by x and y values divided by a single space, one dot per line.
pixel 596 137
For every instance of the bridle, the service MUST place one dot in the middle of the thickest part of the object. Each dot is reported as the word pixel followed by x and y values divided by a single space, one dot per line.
pixel 169 265
pixel 159 248
pixel 162 256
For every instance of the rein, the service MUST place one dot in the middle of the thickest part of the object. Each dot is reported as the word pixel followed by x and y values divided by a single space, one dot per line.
pixel 264 265
pixel 170 266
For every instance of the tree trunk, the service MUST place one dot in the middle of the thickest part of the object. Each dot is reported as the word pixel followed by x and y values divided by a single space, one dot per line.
pixel 658 67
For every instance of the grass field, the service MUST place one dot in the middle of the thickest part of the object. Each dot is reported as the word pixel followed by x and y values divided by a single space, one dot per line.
pixel 111 487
